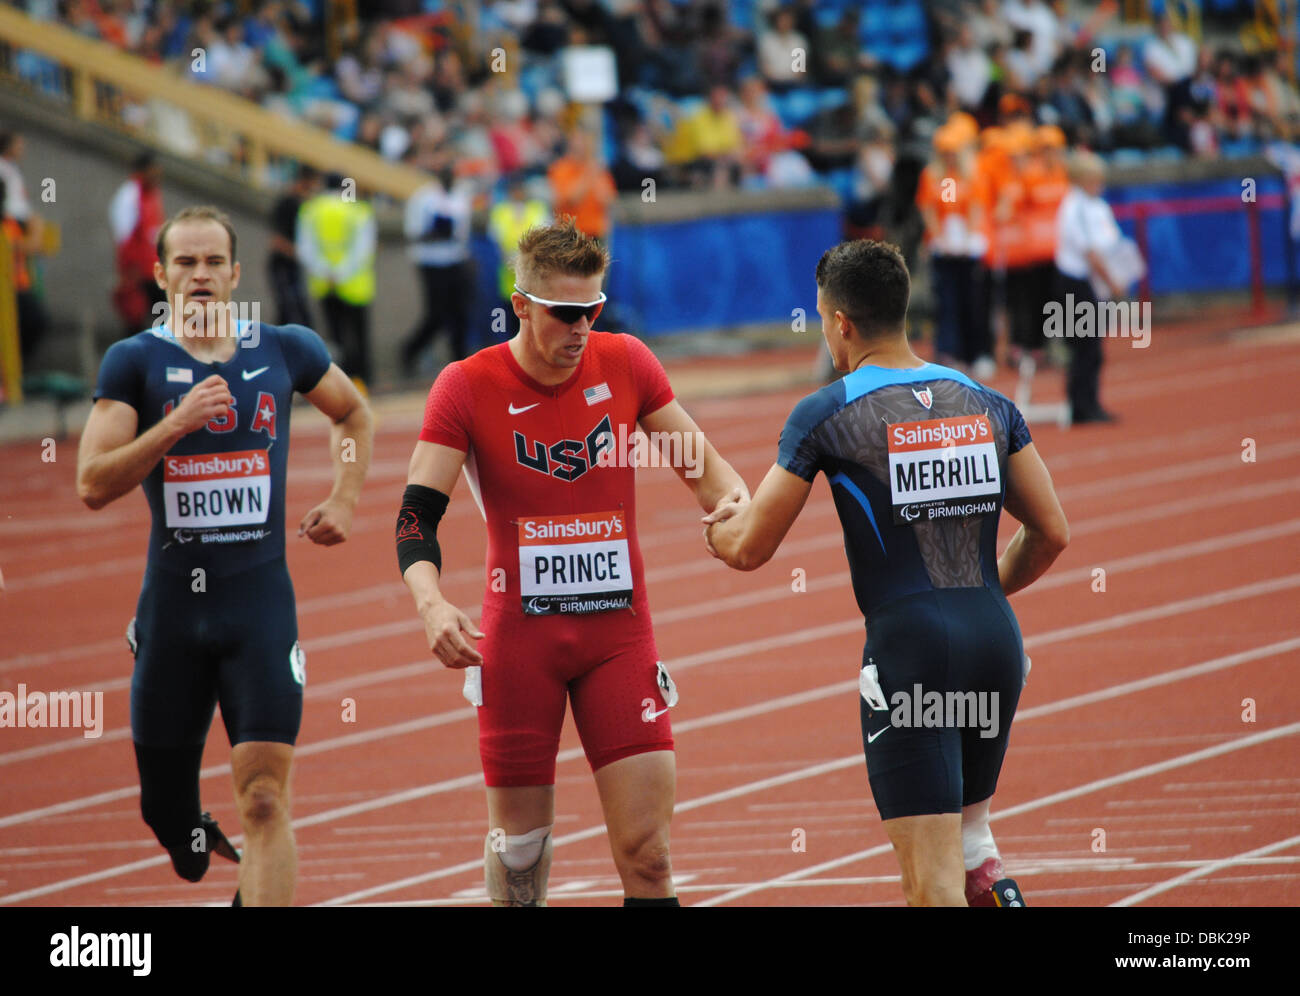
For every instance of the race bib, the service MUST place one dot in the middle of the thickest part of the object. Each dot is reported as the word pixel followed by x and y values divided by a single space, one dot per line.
pixel 943 468
pixel 574 563
pixel 210 490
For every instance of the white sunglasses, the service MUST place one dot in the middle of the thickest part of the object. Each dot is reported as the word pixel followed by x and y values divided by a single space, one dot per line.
pixel 568 312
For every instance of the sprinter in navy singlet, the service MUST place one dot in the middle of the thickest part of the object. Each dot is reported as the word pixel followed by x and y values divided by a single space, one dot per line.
pixel 921 461
pixel 196 410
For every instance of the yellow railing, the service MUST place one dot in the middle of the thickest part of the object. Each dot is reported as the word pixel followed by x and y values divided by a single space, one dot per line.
pixel 100 83
pixel 11 363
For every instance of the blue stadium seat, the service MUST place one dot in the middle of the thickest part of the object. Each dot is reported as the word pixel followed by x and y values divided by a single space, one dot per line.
pixel 795 107
pixel 907 18
pixel 841 181
pixel 1126 157
pixel 832 97
pixel 1234 148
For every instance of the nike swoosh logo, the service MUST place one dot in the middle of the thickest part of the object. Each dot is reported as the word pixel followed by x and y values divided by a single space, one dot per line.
pixel 250 374
pixel 655 715
pixel 520 411
pixel 871 737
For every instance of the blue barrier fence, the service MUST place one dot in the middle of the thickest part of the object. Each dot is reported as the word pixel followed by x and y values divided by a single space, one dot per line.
pixel 737 269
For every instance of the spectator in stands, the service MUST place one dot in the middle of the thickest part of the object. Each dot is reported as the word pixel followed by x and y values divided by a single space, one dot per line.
pixel 839 52
pixel 512 140
pixel 970 69
pixel 627 30
pixel 719 48
pixel 135 214
pixel 873 171
pixel 449 84
pixel 897 103
pixel 407 98
pixel 582 187
pixel 671 33
pixel 360 74
pixel 1170 60
pixel 549 31
pixel 1086 232
pixel 1041 22
pixel 283 269
pixel 1232 111
pixel 1023 70
pixel 871 117
pixel 715 141
pixel 589 15
pixel 336 247
pixel 1069 109
pixel 1273 99
pixel 642 159
pixel 437 228
pixel 783 56
pixel 507 222
pixel 833 137
pixel 762 133
pixel 988 25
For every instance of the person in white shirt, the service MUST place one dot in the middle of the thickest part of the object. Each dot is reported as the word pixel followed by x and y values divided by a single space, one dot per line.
pixel 1170 56
pixel 781 50
pixel 1041 22
pixel 970 68
pixel 16 204
pixel 1170 60
pixel 438 229
pixel 1085 232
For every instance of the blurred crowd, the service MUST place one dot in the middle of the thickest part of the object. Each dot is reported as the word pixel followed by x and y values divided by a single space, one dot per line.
pixel 713 93
pixel 879 99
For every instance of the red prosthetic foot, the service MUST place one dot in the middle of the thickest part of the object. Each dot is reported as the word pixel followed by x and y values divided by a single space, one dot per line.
pixel 980 882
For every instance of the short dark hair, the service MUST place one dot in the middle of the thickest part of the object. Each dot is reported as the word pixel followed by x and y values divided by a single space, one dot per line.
pixel 143 161
pixel 869 282
pixel 203 212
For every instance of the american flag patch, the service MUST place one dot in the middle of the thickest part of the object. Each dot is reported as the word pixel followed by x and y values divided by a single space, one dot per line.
pixel 597 394
pixel 181 375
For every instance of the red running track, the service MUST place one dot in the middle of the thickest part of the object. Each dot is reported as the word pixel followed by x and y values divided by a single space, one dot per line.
pixel 1130 735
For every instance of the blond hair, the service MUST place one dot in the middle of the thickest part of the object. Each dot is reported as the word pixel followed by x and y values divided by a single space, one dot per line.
pixel 558 248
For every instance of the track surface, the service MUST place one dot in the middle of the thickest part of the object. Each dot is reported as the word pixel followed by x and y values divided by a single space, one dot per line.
pixel 1131 724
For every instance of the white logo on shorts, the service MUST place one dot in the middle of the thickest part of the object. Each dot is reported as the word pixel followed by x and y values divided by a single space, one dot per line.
pixel 298 663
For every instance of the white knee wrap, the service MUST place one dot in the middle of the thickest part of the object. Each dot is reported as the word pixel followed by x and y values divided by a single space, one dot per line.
pixel 977 844
pixel 524 850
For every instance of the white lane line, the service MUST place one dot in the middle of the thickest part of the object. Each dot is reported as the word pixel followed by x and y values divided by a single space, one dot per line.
pixel 1206 868
pixel 387 590
pixel 1145 771
pixel 725 653
pixel 856 758
pixel 597 830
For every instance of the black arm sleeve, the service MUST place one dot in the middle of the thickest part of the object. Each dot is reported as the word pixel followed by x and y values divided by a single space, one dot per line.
pixel 417 526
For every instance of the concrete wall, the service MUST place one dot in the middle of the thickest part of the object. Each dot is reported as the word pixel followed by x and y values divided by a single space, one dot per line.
pixel 79 279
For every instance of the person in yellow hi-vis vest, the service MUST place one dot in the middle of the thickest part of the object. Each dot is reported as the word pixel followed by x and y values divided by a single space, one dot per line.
pixel 336 244
pixel 507 222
